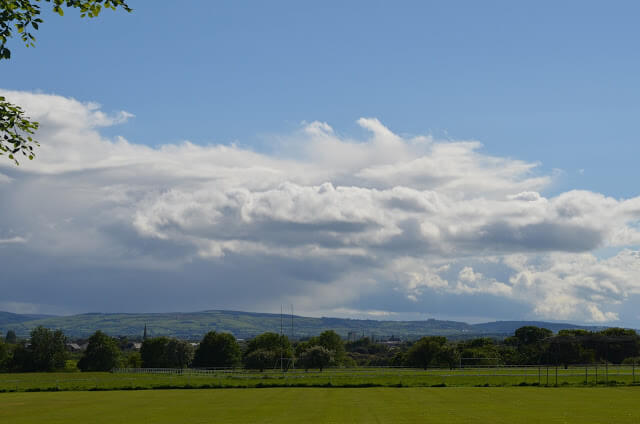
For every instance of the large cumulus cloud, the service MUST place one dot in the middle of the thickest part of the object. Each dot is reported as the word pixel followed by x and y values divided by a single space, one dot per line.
pixel 329 223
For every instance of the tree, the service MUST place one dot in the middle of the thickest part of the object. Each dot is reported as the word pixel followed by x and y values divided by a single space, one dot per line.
pixel 531 335
pixel 11 337
pixel 620 343
pixel 480 351
pixel 531 344
pixel 4 355
pixel 23 17
pixel 260 359
pixel 271 347
pixel 21 360
pixel 102 353
pixel 154 352
pixel 331 341
pixel 179 353
pixel 132 360
pixel 315 357
pixel 48 349
pixel 163 352
pixel 449 356
pixel 45 352
pixel 217 350
pixel 425 351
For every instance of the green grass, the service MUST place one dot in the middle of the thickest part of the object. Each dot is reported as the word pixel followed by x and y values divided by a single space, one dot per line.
pixel 349 377
pixel 322 405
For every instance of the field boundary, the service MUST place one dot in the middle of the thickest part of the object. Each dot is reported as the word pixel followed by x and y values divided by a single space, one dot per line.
pixel 172 378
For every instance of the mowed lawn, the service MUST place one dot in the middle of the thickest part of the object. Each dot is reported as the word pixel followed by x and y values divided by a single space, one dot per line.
pixel 327 405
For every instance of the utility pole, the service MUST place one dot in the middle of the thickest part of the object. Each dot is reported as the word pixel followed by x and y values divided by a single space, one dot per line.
pixel 292 364
pixel 281 341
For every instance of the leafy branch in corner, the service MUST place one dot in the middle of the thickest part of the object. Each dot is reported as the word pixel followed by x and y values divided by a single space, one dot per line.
pixel 23 17
pixel 15 132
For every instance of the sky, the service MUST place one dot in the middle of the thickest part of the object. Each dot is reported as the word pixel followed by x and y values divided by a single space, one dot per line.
pixel 458 160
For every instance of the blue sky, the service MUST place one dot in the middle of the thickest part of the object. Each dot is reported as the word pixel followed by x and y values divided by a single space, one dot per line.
pixel 551 82
pixel 546 83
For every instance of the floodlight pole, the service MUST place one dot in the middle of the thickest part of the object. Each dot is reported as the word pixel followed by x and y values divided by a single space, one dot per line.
pixel 281 340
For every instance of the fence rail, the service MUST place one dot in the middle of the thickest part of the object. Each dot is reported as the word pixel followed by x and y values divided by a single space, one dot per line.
pixel 598 373
pixel 157 378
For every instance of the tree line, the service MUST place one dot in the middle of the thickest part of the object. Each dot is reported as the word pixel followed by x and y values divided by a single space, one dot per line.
pixel 529 345
pixel 46 350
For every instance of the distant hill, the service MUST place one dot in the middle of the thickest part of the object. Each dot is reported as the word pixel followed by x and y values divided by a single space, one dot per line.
pixel 509 327
pixel 11 318
pixel 193 325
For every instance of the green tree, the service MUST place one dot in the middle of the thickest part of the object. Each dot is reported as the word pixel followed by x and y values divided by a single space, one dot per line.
pixel 132 360
pixel 4 356
pixel 272 347
pixel 22 17
pixel 331 341
pixel 45 352
pixel 620 343
pixel 300 347
pixel 154 352
pixel 531 344
pixel 179 353
pixel 102 353
pixel 217 350
pixel 367 353
pixel 21 359
pixel 425 352
pixel 163 352
pixel 529 335
pixel 11 337
pixel 480 351
pixel 260 359
pixel 315 357
pixel 448 356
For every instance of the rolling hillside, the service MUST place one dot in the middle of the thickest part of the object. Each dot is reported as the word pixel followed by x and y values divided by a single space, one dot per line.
pixel 193 325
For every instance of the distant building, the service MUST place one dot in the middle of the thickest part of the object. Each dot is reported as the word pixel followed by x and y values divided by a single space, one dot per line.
pixel 133 346
pixel 74 347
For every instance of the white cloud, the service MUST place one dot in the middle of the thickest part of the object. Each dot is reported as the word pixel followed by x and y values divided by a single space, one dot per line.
pixel 4 178
pixel 12 240
pixel 337 219
pixel 576 286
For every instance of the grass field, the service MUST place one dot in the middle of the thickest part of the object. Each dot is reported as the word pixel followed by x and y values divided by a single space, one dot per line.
pixel 325 405
pixel 354 377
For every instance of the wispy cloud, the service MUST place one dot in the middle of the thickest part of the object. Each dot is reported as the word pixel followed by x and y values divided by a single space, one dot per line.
pixel 13 240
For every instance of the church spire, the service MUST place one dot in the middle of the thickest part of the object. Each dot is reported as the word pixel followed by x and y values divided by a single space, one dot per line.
pixel 144 335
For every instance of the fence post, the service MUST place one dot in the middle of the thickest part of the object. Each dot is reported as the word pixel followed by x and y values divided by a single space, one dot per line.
pixel 586 375
pixel 606 372
pixel 633 371
pixel 596 374
pixel 538 375
pixel 547 375
pixel 556 375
